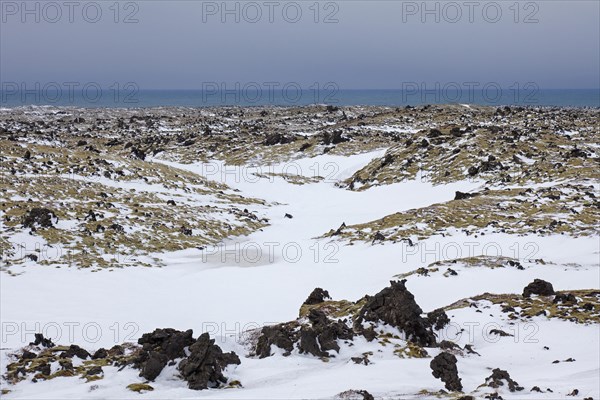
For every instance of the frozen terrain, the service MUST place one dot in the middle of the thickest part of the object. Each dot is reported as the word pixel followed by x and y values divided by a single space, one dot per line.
pixel 231 284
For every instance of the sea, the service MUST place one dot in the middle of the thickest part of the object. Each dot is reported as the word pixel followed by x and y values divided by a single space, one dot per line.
pixel 133 97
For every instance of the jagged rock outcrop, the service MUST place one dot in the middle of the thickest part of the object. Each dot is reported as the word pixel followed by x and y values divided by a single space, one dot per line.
pixel 317 296
pixel 499 377
pixel 396 306
pixel 281 335
pixel 322 337
pixel 204 367
pixel 443 367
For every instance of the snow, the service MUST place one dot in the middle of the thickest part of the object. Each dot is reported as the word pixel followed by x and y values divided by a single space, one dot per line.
pixel 228 289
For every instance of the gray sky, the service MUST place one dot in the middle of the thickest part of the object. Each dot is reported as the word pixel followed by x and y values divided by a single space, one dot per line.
pixel 374 44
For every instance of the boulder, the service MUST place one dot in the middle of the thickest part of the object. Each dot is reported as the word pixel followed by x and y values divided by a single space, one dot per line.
pixel 317 296
pixel 499 377
pixel 539 287
pixel 282 336
pixel 397 307
pixel 204 367
pixel 39 216
pixel 443 367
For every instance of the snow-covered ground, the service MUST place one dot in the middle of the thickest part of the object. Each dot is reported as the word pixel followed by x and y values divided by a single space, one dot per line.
pixel 263 278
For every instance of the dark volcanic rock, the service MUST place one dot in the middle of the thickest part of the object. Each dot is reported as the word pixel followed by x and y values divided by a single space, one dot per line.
pixel 460 195
pixel 323 335
pixel 153 365
pixel 355 395
pixel 138 153
pixel 334 137
pixel 396 306
pixel 39 216
pixel 282 336
pixel 100 353
pixel 448 345
pixel 96 370
pixel 443 367
pixel 308 343
pixel 437 319
pixel 41 340
pixel 159 347
pixel 169 342
pixel 277 138
pixel 539 287
pixel 75 351
pixel 204 367
pixel 28 355
pixel 317 296
pixel 565 298
pixel 498 378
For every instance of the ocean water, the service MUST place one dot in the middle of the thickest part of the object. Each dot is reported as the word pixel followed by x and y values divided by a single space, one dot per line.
pixel 106 97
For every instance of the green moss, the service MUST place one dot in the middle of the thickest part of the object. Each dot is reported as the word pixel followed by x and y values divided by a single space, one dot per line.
pixel 334 309
pixel 515 211
pixel 140 387
pixel 411 350
pixel 540 306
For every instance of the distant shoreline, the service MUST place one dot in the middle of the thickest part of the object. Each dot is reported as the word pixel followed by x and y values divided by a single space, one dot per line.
pixel 56 96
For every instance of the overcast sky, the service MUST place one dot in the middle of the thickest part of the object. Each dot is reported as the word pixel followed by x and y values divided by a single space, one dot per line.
pixel 373 44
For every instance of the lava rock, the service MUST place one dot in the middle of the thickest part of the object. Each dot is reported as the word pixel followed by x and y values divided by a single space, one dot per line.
pixel 308 343
pixel 39 216
pixel 448 345
pixel 565 298
pixel 152 365
pixel 117 228
pixel 378 237
pixel 159 347
pixel 498 378
pixel 437 319
pixel 28 355
pixel 75 351
pixel 461 196
pixel 204 367
pixel 41 340
pixel 539 287
pixel 443 367
pixel 317 296
pixel 169 342
pixel 334 137
pixel 96 370
pixel 281 335
pixel 355 395
pixel 323 335
pixel 396 306
pixel 100 353
pixel 138 153
pixel 277 138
